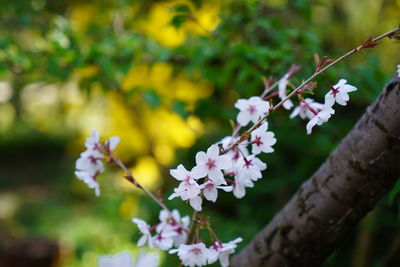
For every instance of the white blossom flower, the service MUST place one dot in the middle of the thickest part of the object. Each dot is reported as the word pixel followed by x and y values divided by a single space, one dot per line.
pixel 147 260
pixel 398 70
pixel 90 161
pixel 188 189
pixel 282 85
pixel 90 180
pixel 93 141
pixel 144 228
pixel 261 140
pixel 303 109
pixel 194 255
pixel 252 167
pixel 210 190
pixel 171 222
pixel 223 250
pixel 122 259
pixel 112 142
pixel 163 241
pixel 242 180
pixel 211 164
pixel 322 116
pixel 89 165
pixel 339 93
pixel 251 109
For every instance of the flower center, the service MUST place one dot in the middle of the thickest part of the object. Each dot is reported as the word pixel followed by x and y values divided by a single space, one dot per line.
pixel 211 164
pixel 196 251
pixel 252 109
pixel 258 141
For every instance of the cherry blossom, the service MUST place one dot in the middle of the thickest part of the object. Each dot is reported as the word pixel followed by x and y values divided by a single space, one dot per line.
pixel 171 222
pixel 252 167
pixel 163 240
pixel 188 189
pixel 144 228
pixel 93 141
pixel 90 163
pixel 223 250
pixel 210 190
pixel 124 259
pixel 282 85
pixel 339 93
pixel 147 260
pixel 194 255
pixel 211 164
pixel 303 109
pixel 242 180
pixel 262 140
pixel 90 180
pixel 398 70
pixel 251 109
pixel 320 117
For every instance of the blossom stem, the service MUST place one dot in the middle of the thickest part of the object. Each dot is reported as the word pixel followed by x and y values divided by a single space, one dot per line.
pixel 133 181
pixel 303 84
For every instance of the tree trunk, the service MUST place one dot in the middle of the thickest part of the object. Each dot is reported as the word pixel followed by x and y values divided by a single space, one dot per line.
pixel 343 190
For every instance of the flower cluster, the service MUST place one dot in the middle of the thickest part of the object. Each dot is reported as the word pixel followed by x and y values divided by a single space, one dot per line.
pixel 124 259
pixel 319 113
pixel 229 170
pixel 90 163
pixel 199 255
pixel 170 232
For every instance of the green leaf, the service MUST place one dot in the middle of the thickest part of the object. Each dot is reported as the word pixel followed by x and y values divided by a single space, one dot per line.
pixel 179 108
pixel 181 8
pixel 151 98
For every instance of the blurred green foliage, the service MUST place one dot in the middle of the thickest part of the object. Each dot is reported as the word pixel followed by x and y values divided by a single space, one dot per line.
pixel 165 75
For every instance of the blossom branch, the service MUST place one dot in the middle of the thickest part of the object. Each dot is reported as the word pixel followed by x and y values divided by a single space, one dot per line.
pixel 369 43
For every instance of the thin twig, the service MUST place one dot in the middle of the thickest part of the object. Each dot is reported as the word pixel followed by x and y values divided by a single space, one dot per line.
pixel 132 180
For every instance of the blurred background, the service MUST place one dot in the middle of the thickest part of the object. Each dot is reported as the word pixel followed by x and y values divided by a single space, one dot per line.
pixel 164 75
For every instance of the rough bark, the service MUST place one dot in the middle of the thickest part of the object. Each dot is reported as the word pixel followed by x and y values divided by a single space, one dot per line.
pixel 341 192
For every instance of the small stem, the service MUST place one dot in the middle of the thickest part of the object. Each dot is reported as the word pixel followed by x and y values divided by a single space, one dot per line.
pixel 312 77
pixel 132 180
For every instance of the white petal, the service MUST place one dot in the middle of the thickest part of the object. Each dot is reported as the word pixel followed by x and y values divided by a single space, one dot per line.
pixel 195 203
pixel 201 157
pixel 311 124
pixel 223 162
pixel 212 151
pixel 112 142
pixel 210 194
pixel 243 118
pixel 199 171
pixel 216 176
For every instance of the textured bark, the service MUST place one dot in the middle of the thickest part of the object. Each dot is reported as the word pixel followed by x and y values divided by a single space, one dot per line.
pixel 341 192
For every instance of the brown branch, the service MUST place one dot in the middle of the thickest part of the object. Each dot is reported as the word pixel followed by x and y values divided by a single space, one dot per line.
pixel 343 190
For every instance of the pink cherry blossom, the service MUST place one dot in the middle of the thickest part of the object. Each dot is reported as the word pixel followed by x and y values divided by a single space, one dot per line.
pixel 210 165
pixel 252 167
pixel 322 116
pixel 339 93
pixel 194 255
pixel 223 250
pixel 262 140
pixel 251 109
pixel 303 109
pixel 242 180
pixel 210 190
pixel 188 189
pixel 144 228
